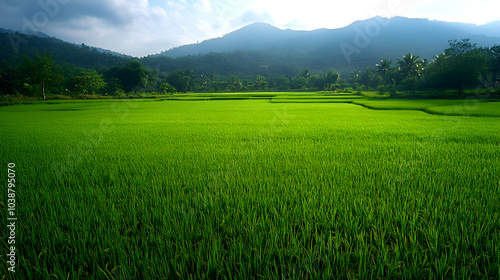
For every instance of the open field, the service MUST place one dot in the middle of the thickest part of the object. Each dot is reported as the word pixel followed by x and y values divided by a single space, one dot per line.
pixel 254 188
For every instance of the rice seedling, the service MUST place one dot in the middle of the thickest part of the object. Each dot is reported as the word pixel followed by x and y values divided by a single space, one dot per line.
pixel 250 189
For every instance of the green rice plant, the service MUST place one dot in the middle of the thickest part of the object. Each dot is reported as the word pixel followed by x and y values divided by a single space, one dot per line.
pixel 250 189
pixel 467 107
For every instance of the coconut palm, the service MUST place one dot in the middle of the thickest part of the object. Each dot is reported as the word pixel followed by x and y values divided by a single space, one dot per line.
pixel 424 63
pixel 383 67
pixel 409 66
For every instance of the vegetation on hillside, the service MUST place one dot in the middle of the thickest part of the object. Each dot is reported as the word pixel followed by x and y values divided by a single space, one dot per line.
pixel 460 67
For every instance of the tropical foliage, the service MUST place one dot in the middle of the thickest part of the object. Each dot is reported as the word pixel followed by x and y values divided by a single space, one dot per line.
pixel 461 66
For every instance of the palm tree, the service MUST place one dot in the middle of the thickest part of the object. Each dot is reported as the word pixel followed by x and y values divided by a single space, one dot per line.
pixel 260 83
pixel 423 64
pixel 409 66
pixel 236 83
pixel 306 74
pixel 213 78
pixel 203 80
pixel 384 67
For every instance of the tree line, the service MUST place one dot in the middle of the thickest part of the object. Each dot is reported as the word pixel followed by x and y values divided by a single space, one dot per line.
pixel 463 65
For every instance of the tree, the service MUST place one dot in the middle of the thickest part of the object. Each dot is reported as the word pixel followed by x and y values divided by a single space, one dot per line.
pixel 260 83
pixel 306 74
pixel 494 64
pixel 235 83
pixel 409 66
pixel 298 83
pixel 131 76
pixel 331 78
pixel 167 88
pixel 462 64
pixel 179 80
pixel 280 82
pixel 37 73
pixel 317 82
pixel 410 84
pixel 113 86
pixel 384 67
pixel 423 64
pixel 369 78
pixel 88 82
pixel 7 78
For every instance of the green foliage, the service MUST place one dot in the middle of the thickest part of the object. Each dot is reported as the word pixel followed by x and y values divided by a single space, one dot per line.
pixel 37 74
pixel 62 52
pixel 298 83
pixel 461 67
pixel 88 82
pixel 235 84
pixel 181 80
pixel 131 76
pixel 384 67
pixel 410 84
pixel 409 65
pixel 252 190
pixel 260 83
pixel 113 87
pixel 167 88
pixel 279 83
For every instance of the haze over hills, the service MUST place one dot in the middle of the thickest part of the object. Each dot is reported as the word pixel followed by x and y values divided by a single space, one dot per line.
pixel 262 49
pixel 360 44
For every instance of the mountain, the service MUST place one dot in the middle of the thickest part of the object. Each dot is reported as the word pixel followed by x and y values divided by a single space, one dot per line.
pixel 262 49
pixel 14 44
pixel 257 36
pixel 490 29
pixel 361 44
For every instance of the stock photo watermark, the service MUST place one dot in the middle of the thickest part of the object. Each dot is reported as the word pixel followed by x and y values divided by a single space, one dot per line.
pixel 11 216
pixel 226 8
pixel 408 165
pixel 364 36
pixel 40 19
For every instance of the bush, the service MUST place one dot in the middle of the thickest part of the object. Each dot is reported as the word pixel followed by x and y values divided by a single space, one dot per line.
pixel 167 88
pixel 88 96
pixel 61 97
pixel 410 84
pixel 382 89
pixel 392 89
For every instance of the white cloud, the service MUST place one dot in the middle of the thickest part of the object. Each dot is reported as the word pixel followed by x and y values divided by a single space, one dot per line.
pixel 142 27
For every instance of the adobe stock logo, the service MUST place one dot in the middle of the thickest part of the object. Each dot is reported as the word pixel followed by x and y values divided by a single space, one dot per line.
pixel 48 10
pixel 226 8
pixel 363 37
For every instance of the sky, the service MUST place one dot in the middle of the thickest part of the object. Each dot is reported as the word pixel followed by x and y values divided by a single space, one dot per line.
pixel 143 27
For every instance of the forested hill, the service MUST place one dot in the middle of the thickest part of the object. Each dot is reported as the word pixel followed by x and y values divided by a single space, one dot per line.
pixel 14 45
pixel 262 49
pixel 356 46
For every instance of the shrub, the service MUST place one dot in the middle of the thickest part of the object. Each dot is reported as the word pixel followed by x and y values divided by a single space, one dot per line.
pixel 382 89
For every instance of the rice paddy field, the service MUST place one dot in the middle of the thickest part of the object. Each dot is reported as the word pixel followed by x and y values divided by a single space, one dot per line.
pixel 253 186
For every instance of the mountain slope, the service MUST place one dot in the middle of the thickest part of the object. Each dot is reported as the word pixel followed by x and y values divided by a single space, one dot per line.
pixel 358 45
pixel 13 44
pixel 262 49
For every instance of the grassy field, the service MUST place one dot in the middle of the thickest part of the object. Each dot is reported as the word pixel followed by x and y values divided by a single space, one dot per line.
pixel 253 189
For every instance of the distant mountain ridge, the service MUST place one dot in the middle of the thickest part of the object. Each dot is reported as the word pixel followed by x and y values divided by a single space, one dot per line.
pixel 263 49
pixel 14 45
pixel 360 44
pixel 45 36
